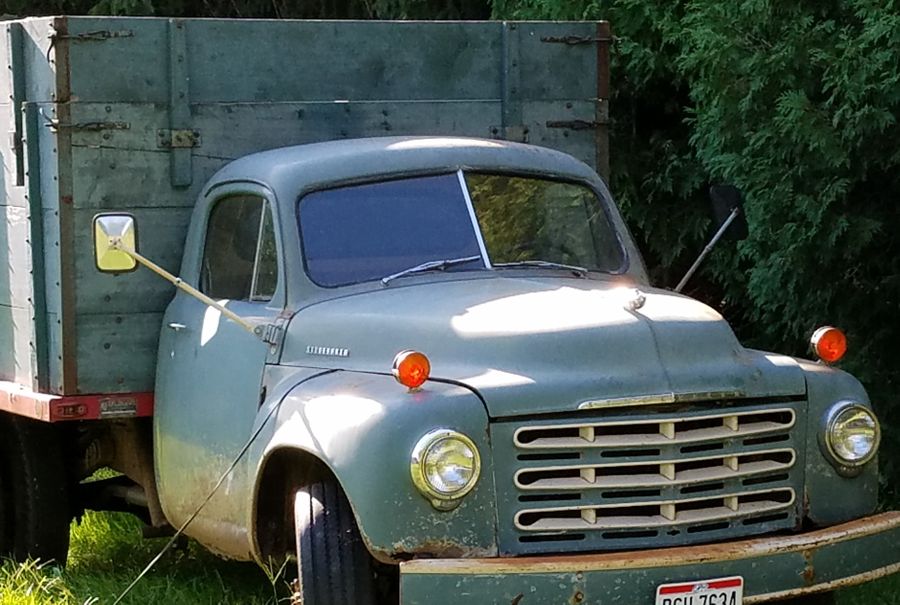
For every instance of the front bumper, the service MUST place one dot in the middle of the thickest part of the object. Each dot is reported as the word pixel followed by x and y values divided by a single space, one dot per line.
pixel 773 567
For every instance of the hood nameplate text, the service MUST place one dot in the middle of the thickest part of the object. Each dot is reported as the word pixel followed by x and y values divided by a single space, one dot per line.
pixel 327 351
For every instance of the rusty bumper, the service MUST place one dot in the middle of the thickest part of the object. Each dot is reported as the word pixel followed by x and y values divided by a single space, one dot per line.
pixel 773 568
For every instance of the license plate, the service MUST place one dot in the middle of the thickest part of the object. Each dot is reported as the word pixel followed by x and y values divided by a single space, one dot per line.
pixel 723 591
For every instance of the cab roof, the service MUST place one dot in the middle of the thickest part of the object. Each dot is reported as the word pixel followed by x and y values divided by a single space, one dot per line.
pixel 303 167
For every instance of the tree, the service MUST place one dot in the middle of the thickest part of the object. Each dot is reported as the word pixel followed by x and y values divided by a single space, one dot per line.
pixel 796 103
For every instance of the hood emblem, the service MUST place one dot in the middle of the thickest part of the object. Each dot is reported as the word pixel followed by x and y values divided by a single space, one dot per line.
pixel 327 351
pixel 636 301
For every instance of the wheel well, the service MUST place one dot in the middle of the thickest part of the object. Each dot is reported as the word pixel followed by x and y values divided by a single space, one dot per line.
pixel 284 472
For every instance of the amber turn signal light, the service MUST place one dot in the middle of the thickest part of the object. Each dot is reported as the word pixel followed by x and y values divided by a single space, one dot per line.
pixel 829 344
pixel 411 369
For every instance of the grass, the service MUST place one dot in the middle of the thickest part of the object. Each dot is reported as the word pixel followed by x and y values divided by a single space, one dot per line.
pixel 108 552
pixel 881 592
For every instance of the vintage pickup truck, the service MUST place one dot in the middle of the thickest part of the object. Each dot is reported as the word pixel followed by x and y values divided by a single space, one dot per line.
pixel 431 367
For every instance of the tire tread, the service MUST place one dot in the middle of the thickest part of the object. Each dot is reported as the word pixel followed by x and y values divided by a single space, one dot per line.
pixel 334 565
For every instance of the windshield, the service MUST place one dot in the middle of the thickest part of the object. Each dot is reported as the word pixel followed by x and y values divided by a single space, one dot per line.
pixel 529 219
pixel 373 231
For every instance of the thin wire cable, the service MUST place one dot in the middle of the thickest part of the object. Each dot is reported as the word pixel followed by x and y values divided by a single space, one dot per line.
pixel 206 500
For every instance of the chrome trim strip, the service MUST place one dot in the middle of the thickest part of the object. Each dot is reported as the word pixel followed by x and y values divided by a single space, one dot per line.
pixel 583 484
pixel 660 398
pixel 632 521
pixel 637 442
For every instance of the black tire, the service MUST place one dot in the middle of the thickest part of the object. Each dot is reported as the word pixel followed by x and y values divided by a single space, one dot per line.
pixel 35 508
pixel 333 565
pixel 5 517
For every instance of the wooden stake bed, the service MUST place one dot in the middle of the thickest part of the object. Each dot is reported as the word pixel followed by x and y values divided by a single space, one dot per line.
pixel 110 114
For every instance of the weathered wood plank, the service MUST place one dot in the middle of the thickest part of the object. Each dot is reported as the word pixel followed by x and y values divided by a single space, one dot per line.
pixel 40 77
pixel 133 53
pixel 31 192
pixel 117 352
pixel 545 121
pixel 54 353
pixel 17 360
pixel 47 154
pixel 15 252
pixel 259 60
pixel 239 129
pixel 53 298
pixel 123 166
pixel 278 61
pixel 6 82
pixel 552 70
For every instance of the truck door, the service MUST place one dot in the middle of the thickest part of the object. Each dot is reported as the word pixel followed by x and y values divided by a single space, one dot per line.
pixel 210 369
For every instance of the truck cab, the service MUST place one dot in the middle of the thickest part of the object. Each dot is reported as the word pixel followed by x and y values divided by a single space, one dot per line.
pixel 455 352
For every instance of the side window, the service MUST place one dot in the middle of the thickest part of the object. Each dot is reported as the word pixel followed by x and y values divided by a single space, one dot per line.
pixel 239 257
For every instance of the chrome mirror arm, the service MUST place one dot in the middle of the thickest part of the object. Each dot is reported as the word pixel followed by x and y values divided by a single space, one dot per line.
pixel 116 243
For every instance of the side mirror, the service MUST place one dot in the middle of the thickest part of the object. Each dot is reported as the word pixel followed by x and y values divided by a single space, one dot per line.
pixel 112 231
pixel 114 234
pixel 725 198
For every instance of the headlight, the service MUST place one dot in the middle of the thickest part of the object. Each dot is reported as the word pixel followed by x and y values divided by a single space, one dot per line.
pixel 445 467
pixel 852 434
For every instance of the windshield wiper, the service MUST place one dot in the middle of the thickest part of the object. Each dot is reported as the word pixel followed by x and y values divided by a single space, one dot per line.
pixel 581 271
pixel 432 265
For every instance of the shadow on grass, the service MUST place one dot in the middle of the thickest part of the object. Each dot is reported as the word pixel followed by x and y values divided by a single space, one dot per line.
pixel 108 552
pixel 881 592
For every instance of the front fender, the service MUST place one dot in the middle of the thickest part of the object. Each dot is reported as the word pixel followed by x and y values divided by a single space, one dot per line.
pixel 831 497
pixel 363 428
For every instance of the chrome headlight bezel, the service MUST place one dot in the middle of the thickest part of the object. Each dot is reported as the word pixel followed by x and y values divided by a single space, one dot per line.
pixel 834 415
pixel 419 458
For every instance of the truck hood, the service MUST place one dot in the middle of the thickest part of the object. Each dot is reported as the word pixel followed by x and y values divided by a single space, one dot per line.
pixel 541 345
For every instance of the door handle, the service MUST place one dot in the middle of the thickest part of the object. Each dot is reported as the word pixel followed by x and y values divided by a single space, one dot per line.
pixel 177 326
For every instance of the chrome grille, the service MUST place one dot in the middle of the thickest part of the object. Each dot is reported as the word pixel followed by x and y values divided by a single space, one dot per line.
pixel 655 513
pixel 664 478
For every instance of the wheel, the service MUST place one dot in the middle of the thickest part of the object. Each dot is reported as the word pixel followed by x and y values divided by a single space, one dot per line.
pixel 35 509
pixel 333 564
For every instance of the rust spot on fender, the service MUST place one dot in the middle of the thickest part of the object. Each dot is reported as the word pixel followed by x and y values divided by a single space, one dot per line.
pixel 517 599
pixel 809 573
pixel 406 549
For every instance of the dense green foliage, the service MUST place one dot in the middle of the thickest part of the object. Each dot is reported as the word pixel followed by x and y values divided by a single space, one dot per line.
pixel 796 102
pixel 262 9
